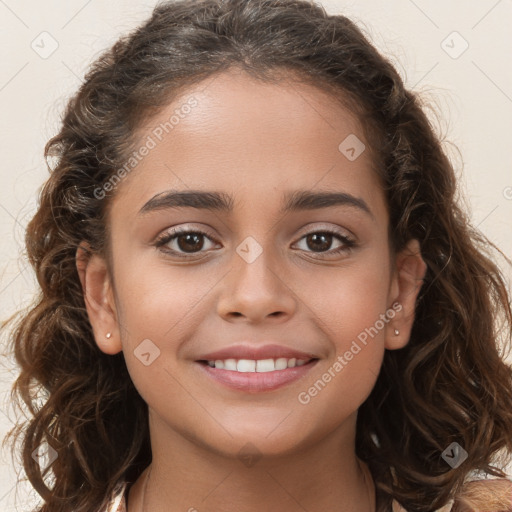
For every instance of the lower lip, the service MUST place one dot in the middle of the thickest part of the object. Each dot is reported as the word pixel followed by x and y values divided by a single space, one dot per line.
pixel 257 382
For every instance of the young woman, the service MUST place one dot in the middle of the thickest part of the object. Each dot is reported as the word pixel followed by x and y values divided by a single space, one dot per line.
pixel 257 289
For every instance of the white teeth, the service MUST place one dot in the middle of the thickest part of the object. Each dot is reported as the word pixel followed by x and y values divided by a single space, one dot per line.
pixel 281 363
pixel 265 365
pixel 230 364
pixel 260 365
pixel 244 365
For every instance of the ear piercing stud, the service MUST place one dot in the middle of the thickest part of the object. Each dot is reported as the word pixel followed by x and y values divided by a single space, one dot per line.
pixel 397 332
pixel 109 335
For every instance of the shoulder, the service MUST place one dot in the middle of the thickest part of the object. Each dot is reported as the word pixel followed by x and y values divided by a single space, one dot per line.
pixel 396 507
pixel 489 495
pixel 493 495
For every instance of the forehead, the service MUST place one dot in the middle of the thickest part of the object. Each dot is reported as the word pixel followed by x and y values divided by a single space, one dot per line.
pixel 233 131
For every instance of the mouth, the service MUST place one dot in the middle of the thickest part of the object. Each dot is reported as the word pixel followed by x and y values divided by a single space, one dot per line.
pixel 256 375
pixel 256 365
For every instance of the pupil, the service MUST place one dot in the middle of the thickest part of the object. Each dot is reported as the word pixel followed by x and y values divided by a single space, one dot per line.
pixel 188 237
pixel 314 237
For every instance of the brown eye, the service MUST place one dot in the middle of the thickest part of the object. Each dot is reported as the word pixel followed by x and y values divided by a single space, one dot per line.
pixel 321 241
pixel 183 242
pixel 190 242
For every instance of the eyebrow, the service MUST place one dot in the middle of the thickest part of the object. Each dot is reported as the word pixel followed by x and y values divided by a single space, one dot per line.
pixel 296 200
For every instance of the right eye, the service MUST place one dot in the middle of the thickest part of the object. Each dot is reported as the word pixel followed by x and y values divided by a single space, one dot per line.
pixel 187 242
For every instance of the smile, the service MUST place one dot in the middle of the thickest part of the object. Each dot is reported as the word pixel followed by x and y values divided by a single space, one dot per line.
pixel 255 376
pixel 259 365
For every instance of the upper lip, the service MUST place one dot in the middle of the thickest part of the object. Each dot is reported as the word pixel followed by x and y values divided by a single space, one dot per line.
pixel 268 351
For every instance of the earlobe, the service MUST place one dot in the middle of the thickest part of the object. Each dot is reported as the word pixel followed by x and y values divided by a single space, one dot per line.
pixel 410 269
pixel 99 300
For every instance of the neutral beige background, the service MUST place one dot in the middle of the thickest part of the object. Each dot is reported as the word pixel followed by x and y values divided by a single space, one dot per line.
pixel 473 93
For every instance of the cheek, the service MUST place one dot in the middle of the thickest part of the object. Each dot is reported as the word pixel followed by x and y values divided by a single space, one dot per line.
pixel 353 310
pixel 348 300
pixel 157 307
pixel 352 314
pixel 155 301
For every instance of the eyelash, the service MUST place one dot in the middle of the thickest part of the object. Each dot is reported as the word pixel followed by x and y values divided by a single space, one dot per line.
pixel 169 236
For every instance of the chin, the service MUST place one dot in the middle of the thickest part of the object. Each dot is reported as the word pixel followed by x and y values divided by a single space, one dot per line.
pixel 257 443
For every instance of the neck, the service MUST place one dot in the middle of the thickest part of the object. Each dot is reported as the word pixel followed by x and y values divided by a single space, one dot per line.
pixel 185 476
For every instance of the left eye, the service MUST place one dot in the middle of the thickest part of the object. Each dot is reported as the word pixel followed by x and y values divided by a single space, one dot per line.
pixel 323 239
pixel 190 242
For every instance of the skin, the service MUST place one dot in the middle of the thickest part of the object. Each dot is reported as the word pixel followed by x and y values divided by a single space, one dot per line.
pixel 254 141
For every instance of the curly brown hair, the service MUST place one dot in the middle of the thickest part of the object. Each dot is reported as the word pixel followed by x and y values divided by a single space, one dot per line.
pixel 449 384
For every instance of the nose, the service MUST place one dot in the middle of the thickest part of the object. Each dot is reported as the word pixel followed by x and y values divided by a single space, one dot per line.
pixel 256 290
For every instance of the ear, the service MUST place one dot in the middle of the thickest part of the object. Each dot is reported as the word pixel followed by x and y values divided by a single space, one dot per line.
pixel 99 299
pixel 406 283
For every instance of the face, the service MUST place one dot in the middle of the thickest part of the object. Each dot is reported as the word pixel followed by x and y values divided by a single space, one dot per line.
pixel 305 288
